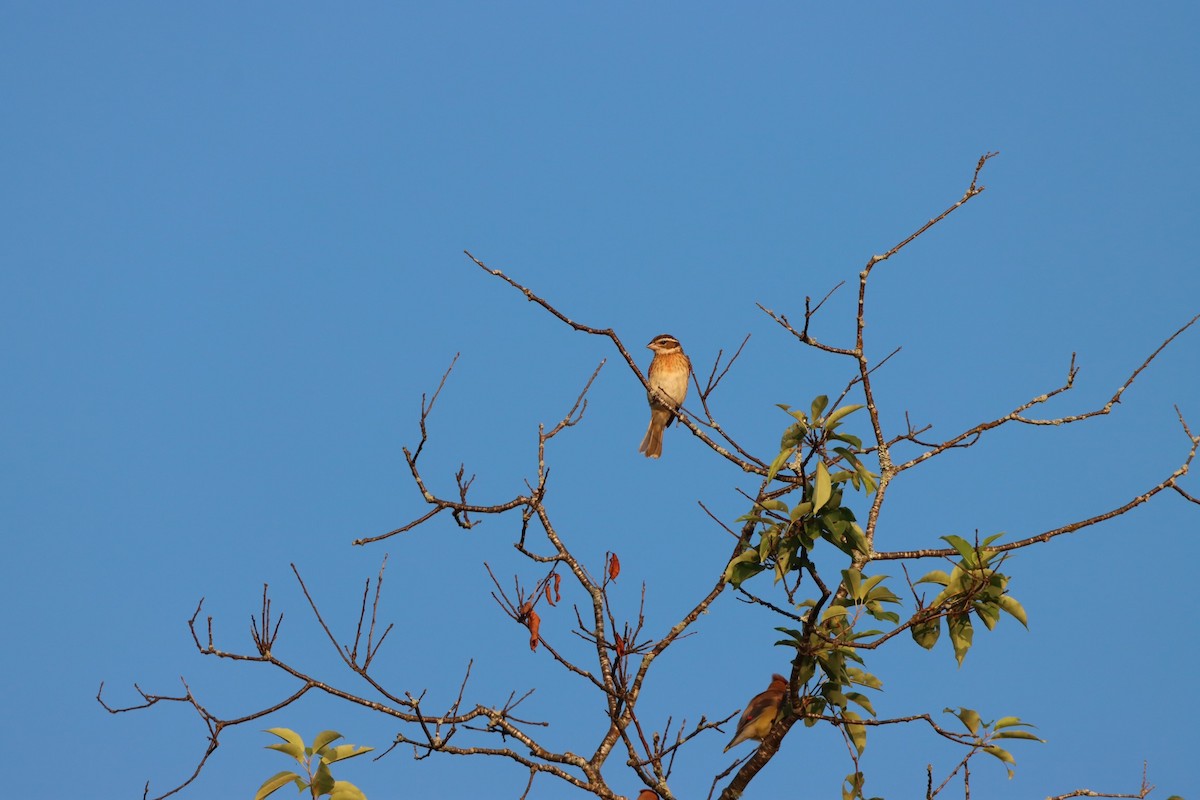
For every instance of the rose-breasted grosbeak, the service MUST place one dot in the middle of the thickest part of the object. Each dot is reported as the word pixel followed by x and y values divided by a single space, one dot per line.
pixel 668 378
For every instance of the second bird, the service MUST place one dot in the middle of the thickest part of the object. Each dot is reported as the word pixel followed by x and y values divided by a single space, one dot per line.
pixel 668 374
pixel 760 713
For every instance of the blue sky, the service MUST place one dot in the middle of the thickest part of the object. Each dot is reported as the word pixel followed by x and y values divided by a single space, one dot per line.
pixel 232 262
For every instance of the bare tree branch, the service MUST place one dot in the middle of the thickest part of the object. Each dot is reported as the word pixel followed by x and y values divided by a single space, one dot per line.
pixel 613 648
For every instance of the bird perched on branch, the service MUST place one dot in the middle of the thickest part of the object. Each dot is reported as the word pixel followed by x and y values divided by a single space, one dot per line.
pixel 668 379
pixel 761 713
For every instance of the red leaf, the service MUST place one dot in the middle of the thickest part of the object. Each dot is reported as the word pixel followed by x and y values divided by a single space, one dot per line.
pixel 533 623
pixel 614 566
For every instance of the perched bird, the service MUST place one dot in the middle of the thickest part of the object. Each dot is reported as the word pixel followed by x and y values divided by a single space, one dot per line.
pixel 669 373
pixel 761 713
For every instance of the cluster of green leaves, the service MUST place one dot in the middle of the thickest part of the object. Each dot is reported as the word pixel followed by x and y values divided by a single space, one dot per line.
pixel 318 781
pixel 985 734
pixel 852 787
pixel 825 430
pixel 973 586
pixel 830 647
pixel 786 533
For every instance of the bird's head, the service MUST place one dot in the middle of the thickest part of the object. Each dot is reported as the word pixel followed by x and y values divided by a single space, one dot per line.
pixel 665 343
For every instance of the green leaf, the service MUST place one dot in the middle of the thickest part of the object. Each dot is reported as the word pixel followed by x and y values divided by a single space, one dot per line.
pixel 858 539
pixel 937 576
pixel 822 489
pixel 989 613
pixel 1003 755
pixel 835 416
pixel 852 580
pixel 797 641
pixel 852 654
pixel 964 548
pixel 800 509
pixel 868 478
pixel 1017 735
pixel 861 700
pixel 793 436
pixel 278 780
pixel 805 669
pixel 834 666
pixel 816 705
pixel 864 678
pixel 1010 604
pixel 345 790
pixel 322 782
pixel 843 452
pixel 743 572
pixel 856 635
pixel 942 597
pixel 970 718
pixel 324 738
pixel 858 733
pixel 870 585
pixel 883 616
pixel 743 567
pixel 852 786
pixel 778 463
pixel 344 751
pixel 293 745
pixel 783 561
pixel 849 439
pixel 833 611
pixel 833 695
pixel 818 405
pixel 773 505
pixel 960 579
pixel 961 635
pixel 767 542
pixel 926 633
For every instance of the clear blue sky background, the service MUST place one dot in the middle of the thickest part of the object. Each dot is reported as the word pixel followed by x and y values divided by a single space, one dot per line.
pixel 231 263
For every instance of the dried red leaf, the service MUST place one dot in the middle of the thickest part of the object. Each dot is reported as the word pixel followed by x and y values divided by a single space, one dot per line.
pixel 557 583
pixel 614 566
pixel 533 623
pixel 620 645
pixel 549 596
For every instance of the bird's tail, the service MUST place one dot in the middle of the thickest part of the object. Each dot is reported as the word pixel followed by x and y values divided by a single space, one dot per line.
pixel 652 441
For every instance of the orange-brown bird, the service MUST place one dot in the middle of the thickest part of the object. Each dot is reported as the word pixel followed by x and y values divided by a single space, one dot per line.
pixel 761 713
pixel 668 374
